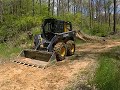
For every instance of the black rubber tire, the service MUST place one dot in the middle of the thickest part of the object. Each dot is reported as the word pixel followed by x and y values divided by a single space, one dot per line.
pixel 70 44
pixel 57 49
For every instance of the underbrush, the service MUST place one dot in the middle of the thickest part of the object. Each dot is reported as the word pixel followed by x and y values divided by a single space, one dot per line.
pixel 15 26
pixel 13 47
pixel 7 51
pixel 107 76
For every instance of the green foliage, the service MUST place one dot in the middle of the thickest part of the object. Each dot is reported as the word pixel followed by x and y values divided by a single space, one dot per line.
pixel 36 30
pixel 20 18
pixel 118 27
pixel 7 51
pixel 11 29
pixel 100 29
pixel 81 22
pixel 78 42
pixel 107 76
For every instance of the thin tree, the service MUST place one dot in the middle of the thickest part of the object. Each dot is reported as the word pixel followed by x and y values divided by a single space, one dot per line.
pixel 1 11
pixel 90 14
pixel 114 17
pixel 53 7
pixel 48 7
pixel 105 10
pixel 40 5
pixel 33 5
pixel 20 6
pixel 58 7
pixel 74 8
pixel 68 5
pixel 63 8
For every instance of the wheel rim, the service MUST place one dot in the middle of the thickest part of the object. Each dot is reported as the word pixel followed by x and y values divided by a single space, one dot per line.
pixel 63 51
pixel 72 48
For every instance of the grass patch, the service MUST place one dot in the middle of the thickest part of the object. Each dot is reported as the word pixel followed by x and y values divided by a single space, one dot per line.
pixel 77 41
pixel 107 76
pixel 7 51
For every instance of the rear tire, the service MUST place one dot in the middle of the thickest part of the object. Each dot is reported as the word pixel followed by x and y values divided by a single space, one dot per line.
pixel 70 47
pixel 60 50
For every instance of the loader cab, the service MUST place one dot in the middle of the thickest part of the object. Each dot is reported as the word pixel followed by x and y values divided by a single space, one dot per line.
pixel 53 26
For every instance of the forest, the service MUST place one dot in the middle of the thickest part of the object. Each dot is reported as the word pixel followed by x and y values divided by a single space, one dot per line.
pixel 92 16
pixel 100 18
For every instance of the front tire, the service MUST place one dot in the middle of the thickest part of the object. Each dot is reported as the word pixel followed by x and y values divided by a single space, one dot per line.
pixel 60 50
pixel 70 47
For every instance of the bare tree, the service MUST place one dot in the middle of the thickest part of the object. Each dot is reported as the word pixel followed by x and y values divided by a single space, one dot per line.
pixel 74 10
pixel 105 10
pixel 68 5
pixel 48 7
pixel 62 8
pixel 53 3
pixel 114 18
pixel 20 7
pixel 40 5
pixel 58 7
pixel 1 11
pixel 33 5
pixel 90 14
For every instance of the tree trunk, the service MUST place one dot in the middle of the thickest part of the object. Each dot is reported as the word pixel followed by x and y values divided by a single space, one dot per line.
pixel 90 12
pixel 105 10
pixel 48 7
pixel 53 8
pixel 68 5
pixel 109 20
pixel 63 12
pixel 40 5
pixel 33 5
pixel 114 17
pixel 74 10
pixel 20 6
pixel 1 11
pixel 58 7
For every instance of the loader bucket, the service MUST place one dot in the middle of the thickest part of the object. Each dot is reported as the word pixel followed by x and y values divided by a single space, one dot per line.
pixel 35 58
pixel 38 55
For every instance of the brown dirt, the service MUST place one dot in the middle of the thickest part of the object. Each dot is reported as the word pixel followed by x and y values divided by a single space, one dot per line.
pixel 98 47
pixel 56 77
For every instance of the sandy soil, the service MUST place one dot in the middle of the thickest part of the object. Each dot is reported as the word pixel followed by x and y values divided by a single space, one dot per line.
pixel 19 77
pixel 56 77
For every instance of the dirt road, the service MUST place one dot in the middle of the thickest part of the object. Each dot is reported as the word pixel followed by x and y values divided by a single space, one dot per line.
pixel 55 77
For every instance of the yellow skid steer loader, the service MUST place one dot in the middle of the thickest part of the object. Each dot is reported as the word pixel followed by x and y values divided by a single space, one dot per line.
pixel 54 43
